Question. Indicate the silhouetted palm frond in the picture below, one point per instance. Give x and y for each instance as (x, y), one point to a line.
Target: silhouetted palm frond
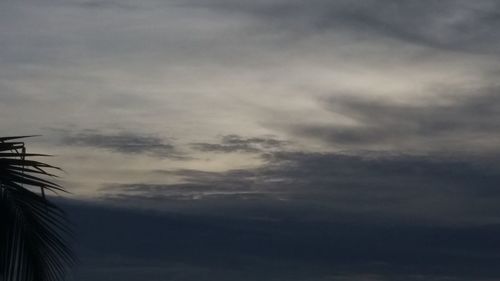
(33, 232)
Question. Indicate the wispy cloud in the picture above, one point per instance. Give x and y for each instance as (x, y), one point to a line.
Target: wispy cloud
(235, 143)
(453, 25)
(453, 122)
(124, 142)
(105, 4)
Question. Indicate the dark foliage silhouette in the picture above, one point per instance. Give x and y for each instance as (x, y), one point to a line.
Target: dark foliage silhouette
(34, 233)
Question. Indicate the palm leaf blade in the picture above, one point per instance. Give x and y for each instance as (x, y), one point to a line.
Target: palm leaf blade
(34, 233)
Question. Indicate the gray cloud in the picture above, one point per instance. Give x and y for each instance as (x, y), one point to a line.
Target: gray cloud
(148, 64)
(458, 122)
(125, 142)
(105, 4)
(235, 143)
(454, 25)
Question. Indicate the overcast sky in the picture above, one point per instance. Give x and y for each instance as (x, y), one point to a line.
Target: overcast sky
(349, 140)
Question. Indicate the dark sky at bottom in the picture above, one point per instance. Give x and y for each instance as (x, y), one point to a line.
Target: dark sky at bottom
(129, 244)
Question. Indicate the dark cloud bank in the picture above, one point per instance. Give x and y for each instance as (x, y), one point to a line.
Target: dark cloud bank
(134, 245)
(303, 216)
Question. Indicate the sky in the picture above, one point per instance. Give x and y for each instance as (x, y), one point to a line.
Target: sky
(265, 140)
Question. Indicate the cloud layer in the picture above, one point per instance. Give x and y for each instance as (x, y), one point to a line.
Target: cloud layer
(401, 187)
(235, 143)
(355, 140)
(127, 143)
(453, 25)
(457, 123)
